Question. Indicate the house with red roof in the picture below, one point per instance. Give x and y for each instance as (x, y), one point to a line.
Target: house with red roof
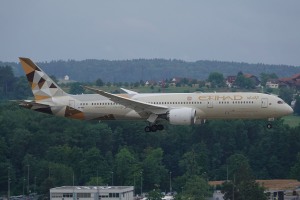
(293, 82)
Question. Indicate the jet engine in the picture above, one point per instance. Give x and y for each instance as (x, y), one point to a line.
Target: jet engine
(182, 116)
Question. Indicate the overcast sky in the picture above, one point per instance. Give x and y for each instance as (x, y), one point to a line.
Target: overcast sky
(254, 31)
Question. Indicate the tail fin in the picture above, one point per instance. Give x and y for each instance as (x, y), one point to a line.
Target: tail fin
(42, 86)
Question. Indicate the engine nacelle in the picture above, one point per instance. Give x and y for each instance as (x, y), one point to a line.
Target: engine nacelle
(182, 116)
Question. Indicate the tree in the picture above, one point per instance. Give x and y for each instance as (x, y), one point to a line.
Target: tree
(196, 188)
(62, 174)
(56, 148)
(22, 89)
(155, 195)
(184, 81)
(194, 180)
(286, 94)
(108, 84)
(295, 170)
(7, 80)
(266, 77)
(153, 169)
(142, 83)
(242, 185)
(239, 168)
(46, 185)
(125, 167)
(245, 190)
(75, 88)
(93, 165)
(297, 105)
(217, 79)
(3, 172)
(118, 84)
(190, 164)
(243, 82)
(95, 181)
(99, 82)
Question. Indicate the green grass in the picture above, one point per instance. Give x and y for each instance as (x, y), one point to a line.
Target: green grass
(292, 120)
(170, 89)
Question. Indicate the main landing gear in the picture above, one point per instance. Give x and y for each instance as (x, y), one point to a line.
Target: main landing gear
(154, 128)
(269, 125)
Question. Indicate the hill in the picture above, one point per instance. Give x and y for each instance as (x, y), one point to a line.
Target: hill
(150, 69)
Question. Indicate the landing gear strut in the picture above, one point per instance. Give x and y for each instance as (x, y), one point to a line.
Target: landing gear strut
(154, 128)
(269, 126)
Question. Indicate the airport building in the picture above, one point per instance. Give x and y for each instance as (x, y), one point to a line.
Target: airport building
(92, 193)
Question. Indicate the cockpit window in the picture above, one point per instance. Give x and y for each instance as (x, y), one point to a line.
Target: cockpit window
(280, 102)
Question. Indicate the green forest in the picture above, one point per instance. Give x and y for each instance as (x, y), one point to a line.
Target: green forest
(39, 151)
(150, 69)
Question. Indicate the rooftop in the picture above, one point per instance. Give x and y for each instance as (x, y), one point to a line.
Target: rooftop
(92, 188)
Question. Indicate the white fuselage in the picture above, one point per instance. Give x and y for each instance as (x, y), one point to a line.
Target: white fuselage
(207, 105)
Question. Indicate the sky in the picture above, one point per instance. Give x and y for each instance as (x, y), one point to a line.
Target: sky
(253, 31)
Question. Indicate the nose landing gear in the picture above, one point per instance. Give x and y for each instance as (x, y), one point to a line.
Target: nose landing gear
(269, 125)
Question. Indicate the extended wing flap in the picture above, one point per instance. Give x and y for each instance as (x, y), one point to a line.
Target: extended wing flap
(138, 106)
(129, 91)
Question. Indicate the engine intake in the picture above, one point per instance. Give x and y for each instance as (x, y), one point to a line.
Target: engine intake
(182, 116)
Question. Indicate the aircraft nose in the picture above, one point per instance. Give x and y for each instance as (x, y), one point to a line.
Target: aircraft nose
(289, 110)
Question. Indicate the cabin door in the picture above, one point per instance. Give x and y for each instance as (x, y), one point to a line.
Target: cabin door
(71, 104)
(210, 104)
(264, 102)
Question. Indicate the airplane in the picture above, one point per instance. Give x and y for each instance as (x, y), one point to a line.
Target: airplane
(176, 108)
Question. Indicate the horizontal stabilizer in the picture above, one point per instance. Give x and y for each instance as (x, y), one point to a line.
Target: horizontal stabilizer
(30, 104)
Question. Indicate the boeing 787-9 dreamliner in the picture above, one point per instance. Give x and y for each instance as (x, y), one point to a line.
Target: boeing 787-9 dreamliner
(176, 108)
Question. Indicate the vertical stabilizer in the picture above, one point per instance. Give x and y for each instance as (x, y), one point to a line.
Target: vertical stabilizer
(42, 86)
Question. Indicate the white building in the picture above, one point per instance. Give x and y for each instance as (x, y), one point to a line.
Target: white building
(272, 84)
(168, 197)
(92, 193)
(67, 78)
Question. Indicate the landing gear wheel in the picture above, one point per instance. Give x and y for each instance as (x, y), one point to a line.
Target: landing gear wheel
(147, 129)
(154, 128)
(160, 127)
(269, 126)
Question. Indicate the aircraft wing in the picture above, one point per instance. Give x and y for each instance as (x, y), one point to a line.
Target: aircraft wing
(139, 106)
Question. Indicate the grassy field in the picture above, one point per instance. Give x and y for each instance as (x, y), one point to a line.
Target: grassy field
(171, 89)
(292, 120)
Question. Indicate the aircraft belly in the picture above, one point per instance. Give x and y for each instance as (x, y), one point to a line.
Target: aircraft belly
(112, 113)
(242, 113)
(232, 113)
